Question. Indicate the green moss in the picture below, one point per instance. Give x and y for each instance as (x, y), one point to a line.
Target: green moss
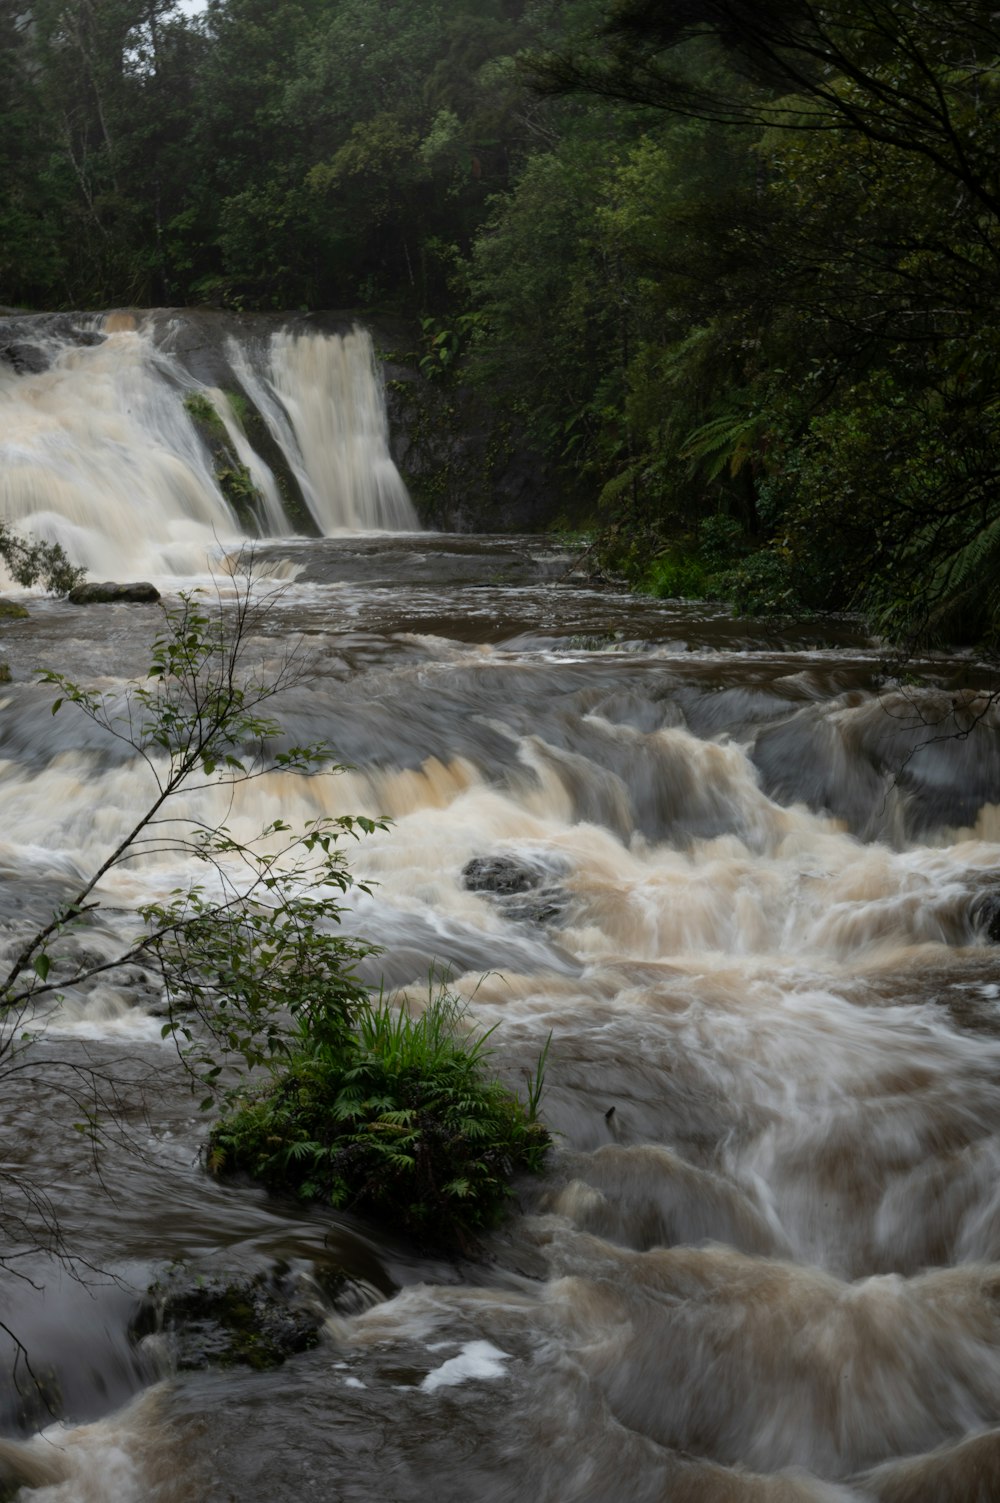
(241, 407)
(202, 409)
(236, 484)
(12, 610)
(241, 1321)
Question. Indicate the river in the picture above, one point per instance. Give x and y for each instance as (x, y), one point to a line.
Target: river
(758, 883)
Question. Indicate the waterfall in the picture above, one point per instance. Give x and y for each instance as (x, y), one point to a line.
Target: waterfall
(98, 453)
(324, 404)
(102, 452)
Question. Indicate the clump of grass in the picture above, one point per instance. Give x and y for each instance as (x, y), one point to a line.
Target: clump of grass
(396, 1116)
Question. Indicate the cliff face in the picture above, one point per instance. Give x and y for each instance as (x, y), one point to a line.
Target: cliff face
(467, 466)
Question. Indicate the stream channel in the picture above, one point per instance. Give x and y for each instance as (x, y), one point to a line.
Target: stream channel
(754, 887)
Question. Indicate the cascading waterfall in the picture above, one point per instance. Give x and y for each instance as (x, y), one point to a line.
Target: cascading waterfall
(324, 405)
(753, 898)
(99, 452)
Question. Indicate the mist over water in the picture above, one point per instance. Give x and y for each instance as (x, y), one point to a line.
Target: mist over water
(759, 884)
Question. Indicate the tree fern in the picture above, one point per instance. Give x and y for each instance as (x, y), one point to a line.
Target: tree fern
(727, 442)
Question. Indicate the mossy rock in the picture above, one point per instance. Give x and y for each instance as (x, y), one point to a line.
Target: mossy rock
(229, 1320)
(12, 610)
(202, 409)
(4, 672)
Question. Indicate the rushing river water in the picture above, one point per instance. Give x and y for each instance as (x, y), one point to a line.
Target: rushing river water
(764, 1263)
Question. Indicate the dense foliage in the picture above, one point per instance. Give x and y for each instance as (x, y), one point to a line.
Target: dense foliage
(394, 1115)
(733, 264)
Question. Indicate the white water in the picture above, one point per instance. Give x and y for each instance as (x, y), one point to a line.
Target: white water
(764, 1265)
(323, 402)
(99, 453)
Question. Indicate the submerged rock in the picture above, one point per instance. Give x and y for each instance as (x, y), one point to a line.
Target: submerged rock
(230, 1319)
(109, 593)
(25, 358)
(523, 890)
(501, 875)
(985, 915)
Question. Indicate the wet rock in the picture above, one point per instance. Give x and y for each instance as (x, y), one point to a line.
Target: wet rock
(228, 1320)
(30, 1399)
(524, 891)
(985, 915)
(26, 359)
(109, 593)
(12, 610)
(501, 875)
(4, 672)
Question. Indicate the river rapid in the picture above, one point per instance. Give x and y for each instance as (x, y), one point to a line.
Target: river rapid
(757, 882)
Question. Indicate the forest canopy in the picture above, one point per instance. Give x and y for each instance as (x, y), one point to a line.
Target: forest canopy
(732, 264)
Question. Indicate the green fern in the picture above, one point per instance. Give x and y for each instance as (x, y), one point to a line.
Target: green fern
(727, 442)
(398, 1116)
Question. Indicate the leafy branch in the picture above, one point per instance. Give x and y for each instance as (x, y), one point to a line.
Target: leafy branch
(265, 914)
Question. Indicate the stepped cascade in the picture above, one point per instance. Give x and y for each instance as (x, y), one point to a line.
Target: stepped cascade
(748, 885)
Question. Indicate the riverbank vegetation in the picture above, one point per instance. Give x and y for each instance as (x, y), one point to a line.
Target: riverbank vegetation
(732, 267)
(32, 561)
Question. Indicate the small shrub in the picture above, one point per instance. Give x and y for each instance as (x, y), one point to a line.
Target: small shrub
(397, 1117)
(675, 575)
(762, 585)
(721, 542)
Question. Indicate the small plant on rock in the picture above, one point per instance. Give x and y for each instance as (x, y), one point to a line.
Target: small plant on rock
(365, 1105)
(393, 1115)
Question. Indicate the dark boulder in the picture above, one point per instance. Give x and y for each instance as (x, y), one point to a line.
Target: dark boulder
(24, 358)
(501, 875)
(523, 890)
(230, 1319)
(109, 593)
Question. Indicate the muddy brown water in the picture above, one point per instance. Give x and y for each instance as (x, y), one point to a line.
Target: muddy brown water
(764, 1263)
